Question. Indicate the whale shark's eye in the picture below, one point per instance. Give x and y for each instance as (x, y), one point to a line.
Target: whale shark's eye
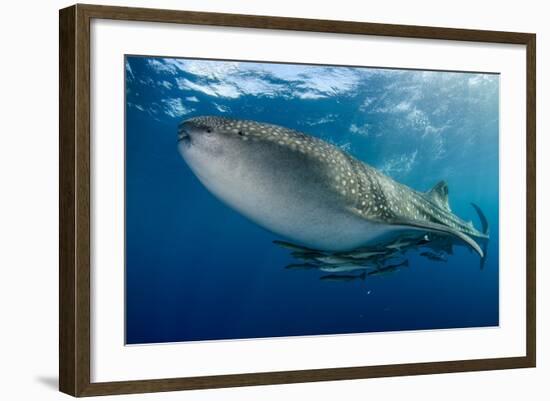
(209, 130)
(240, 133)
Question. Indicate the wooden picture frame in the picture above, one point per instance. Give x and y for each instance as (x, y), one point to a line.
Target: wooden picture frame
(74, 199)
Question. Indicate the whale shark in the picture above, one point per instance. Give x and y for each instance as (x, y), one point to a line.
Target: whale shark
(314, 193)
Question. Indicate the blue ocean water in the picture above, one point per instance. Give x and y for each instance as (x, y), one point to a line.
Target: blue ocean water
(198, 270)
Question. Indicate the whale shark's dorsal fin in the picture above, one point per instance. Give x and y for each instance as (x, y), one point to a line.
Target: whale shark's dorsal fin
(439, 195)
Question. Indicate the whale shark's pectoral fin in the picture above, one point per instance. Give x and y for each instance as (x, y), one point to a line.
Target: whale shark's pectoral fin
(439, 228)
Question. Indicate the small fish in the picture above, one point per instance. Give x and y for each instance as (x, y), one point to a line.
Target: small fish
(389, 269)
(434, 256)
(399, 245)
(440, 244)
(343, 277)
(306, 255)
(343, 268)
(424, 240)
(334, 260)
(363, 254)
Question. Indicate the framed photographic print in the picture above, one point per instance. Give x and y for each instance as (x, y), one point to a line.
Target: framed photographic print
(251, 200)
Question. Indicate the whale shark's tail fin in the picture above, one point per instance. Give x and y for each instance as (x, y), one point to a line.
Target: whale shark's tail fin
(485, 230)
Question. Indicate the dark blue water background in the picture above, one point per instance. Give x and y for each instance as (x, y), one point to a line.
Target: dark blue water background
(197, 270)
